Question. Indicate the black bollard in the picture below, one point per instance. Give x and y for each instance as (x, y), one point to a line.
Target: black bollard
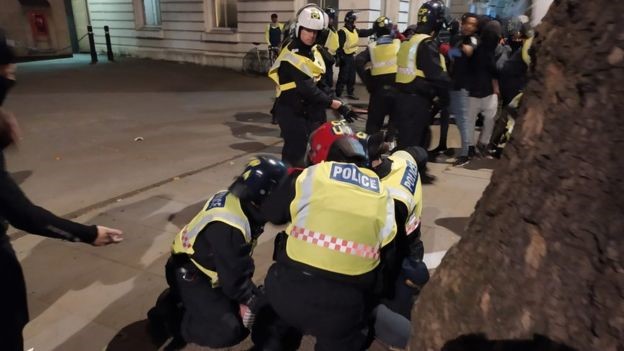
(109, 49)
(94, 58)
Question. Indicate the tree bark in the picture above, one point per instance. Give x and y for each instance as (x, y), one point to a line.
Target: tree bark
(543, 251)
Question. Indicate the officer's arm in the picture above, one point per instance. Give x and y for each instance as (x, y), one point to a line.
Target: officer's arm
(276, 208)
(231, 258)
(430, 60)
(305, 86)
(342, 38)
(365, 33)
(17, 209)
(266, 34)
(361, 61)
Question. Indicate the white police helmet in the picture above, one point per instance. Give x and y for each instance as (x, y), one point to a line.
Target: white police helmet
(311, 17)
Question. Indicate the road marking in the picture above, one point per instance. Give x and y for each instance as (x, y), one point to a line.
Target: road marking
(433, 259)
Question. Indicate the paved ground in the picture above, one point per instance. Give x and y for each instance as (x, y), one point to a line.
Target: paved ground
(79, 157)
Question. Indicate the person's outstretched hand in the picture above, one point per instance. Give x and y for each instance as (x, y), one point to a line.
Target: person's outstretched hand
(106, 236)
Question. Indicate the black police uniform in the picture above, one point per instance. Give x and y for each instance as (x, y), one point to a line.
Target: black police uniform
(382, 91)
(301, 110)
(415, 98)
(352, 297)
(210, 314)
(346, 75)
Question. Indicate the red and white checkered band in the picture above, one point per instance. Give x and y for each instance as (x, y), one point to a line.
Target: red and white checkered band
(186, 241)
(412, 225)
(336, 244)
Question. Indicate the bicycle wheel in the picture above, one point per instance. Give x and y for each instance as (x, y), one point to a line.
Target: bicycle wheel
(249, 62)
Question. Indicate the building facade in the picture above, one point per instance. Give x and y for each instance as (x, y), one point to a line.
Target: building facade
(210, 32)
(36, 28)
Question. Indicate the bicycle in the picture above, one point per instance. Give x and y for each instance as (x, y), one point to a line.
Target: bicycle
(257, 61)
(273, 53)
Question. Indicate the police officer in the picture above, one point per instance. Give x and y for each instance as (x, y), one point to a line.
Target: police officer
(328, 39)
(210, 268)
(348, 39)
(301, 98)
(377, 67)
(421, 76)
(399, 172)
(273, 32)
(326, 275)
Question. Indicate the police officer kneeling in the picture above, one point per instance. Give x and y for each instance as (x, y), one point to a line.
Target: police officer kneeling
(326, 274)
(210, 268)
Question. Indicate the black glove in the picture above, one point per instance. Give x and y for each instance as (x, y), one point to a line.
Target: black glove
(347, 113)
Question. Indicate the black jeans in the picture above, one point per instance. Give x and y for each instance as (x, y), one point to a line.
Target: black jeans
(382, 103)
(295, 130)
(13, 306)
(210, 318)
(333, 312)
(413, 119)
(346, 75)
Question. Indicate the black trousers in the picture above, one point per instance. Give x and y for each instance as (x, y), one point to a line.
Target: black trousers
(382, 103)
(333, 312)
(346, 75)
(13, 305)
(296, 130)
(210, 318)
(413, 119)
(329, 74)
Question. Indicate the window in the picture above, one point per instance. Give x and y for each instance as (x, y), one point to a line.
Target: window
(225, 12)
(499, 8)
(326, 3)
(151, 13)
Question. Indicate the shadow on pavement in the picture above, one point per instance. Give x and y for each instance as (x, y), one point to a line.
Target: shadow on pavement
(181, 218)
(455, 224)
(255, 117)
(256, 146)
(248, 131)
(20, 176)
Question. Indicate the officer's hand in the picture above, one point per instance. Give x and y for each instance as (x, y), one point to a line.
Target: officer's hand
(347, 113)
(106, 236)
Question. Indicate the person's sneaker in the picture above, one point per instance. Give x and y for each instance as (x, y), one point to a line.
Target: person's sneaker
(352, 97)
(472, 151)
(439, 150)
(461, 161)
(483, 151)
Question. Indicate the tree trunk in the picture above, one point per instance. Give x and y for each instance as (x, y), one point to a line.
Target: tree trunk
(543, 251)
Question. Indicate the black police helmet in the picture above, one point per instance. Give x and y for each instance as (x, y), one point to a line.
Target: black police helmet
(262, 173)
(382, 26)
(331, 12)
(431, 17)
(348, 149)
(350, 17)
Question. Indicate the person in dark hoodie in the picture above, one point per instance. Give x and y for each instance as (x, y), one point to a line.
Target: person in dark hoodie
(302, 97)
(17, 210)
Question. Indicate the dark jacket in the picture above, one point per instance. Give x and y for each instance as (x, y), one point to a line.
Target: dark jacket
(222, 248)
(436, 81)
(309, 99)
(18, 211)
